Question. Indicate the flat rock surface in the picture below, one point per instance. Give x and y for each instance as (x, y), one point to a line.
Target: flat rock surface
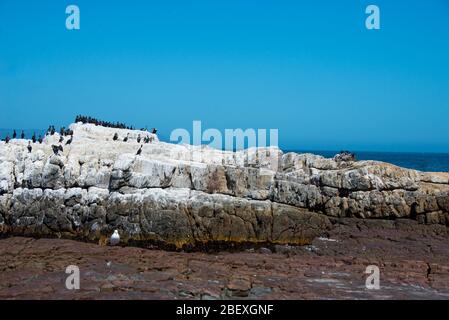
(413, 261)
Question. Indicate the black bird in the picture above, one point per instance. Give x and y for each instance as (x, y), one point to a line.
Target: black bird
(61, 139)
(22, 135)
(138, 138)
(7, 139)
(69, 141)
(146, 139)
(40, 139)
(52, 131)
(126, 138)
(139, 151)
(14, 134)
(154, 131)
(61, 148)
(30, 148)
(115, 137)
(55, 149)
(33, 138)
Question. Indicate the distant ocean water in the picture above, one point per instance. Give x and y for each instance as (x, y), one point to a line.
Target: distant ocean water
(438, 162)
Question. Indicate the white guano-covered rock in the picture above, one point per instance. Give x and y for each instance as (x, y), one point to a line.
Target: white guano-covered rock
(185, 195)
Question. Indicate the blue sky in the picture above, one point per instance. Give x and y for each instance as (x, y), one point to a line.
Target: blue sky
(310, 69)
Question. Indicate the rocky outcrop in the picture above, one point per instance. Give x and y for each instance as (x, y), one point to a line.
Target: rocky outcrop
(190, 196)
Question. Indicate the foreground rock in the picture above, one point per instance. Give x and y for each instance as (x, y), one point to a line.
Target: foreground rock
(181, 196)
(413, 261)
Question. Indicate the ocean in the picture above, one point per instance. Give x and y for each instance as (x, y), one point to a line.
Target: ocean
(438, 162)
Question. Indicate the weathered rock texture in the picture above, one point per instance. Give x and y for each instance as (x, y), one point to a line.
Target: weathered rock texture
(413, 261)
(189, 196)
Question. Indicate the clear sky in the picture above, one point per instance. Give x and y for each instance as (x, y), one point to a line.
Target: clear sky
(308, 68)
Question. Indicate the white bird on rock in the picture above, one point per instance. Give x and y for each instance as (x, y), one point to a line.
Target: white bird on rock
(115, 238)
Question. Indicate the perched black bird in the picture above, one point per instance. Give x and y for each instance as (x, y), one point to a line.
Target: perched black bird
(139, 151)
(115, 137)
(52, 131)
(69, 141)
(55, 149)
(33, 138)
(30, 148)
(138, 138)
(14, 134)
(126, 138)
(40, 139)
(154, 131)
(22, 135)
(146, 139)
(61, 139)
(7, 139)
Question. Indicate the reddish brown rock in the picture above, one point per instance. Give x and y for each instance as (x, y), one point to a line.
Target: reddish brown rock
(413, 260)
